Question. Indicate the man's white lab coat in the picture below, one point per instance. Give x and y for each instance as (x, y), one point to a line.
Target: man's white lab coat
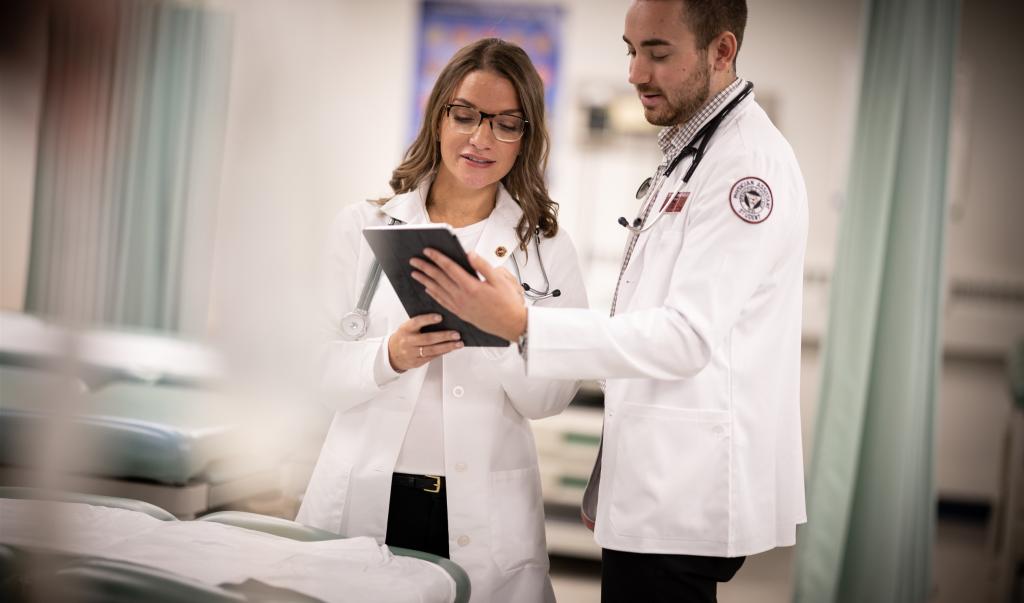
(702, 451)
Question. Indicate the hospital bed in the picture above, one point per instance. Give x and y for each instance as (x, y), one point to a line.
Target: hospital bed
(181, 448)
(114, 549)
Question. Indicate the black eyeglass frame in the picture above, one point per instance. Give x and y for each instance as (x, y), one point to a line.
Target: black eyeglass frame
(490, 118)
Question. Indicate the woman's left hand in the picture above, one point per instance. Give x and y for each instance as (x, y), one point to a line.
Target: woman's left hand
(408, 348)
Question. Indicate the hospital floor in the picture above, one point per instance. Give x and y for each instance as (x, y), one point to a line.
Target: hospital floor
(960, 571)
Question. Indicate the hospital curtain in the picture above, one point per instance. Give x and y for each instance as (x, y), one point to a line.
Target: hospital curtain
(128, 155)
(870, 490)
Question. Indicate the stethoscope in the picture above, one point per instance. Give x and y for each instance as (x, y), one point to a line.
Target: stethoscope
(354, 324)
(530, 292)
(698, 144)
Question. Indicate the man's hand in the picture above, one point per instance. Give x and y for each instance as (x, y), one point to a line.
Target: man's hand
(494, 305)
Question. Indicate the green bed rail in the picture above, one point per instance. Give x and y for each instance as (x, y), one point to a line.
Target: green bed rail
(128, 504)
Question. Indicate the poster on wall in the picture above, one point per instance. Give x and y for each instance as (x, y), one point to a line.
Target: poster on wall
(447, 26)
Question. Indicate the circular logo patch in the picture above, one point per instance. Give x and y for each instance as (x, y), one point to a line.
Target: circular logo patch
(751, 199)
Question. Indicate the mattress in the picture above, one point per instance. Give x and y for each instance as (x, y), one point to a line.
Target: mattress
(106, 547)
(161, 433)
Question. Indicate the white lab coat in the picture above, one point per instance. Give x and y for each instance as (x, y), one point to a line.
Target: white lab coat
(495, 512)
(702, 451)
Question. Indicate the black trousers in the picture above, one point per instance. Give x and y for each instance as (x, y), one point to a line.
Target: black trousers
(418, 518)
(652, 578)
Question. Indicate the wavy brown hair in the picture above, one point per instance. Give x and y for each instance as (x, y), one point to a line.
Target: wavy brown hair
(525, 181)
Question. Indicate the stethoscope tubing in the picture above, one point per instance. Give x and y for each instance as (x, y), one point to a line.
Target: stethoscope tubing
(652, 197)
(702, 138)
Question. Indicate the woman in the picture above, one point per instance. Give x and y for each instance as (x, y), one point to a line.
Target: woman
(430, 447)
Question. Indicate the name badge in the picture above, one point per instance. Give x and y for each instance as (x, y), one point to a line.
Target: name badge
(673, 204)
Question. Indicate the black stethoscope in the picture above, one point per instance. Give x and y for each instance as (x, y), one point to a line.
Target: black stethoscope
(698, 144)
(354, 324)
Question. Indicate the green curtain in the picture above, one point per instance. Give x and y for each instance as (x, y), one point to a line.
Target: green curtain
(871, 496)
(130, 140)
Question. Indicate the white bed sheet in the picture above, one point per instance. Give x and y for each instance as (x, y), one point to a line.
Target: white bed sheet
(348, 570)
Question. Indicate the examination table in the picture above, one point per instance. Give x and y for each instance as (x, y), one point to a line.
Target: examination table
(58, 545)
(181, 448)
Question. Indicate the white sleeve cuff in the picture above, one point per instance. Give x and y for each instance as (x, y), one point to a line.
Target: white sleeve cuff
(383, 373)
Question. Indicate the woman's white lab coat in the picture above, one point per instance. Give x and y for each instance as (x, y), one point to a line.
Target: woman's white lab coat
(495, 512)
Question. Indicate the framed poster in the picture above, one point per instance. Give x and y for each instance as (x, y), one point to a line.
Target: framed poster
(446, 26)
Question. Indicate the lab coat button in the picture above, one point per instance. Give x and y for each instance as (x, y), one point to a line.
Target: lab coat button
(717, 430)
(457, 391)
(463, 540)
(460, 467)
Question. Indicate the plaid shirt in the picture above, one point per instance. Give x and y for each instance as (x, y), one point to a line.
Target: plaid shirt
(672, 141)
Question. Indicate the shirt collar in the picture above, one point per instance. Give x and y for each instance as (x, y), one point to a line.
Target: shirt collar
(674, 139)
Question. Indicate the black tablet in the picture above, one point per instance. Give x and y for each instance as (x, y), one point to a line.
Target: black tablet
(395, 245)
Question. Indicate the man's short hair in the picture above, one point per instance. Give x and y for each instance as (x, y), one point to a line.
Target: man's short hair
(708, 18)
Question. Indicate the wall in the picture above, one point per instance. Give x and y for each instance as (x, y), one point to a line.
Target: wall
(316, 119)
(985, 263)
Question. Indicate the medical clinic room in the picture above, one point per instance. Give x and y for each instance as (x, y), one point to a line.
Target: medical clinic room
(516, 301)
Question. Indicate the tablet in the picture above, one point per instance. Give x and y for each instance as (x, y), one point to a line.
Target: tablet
(395, 245)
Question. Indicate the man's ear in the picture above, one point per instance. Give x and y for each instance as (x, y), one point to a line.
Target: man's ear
(723, 51)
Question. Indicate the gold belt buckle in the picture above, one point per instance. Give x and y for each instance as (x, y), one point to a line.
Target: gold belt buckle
(437, 484)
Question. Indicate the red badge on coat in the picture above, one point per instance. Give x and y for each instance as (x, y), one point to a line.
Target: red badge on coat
(673, 204)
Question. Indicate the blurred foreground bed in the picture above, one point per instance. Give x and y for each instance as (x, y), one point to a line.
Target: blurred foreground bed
(68, 546)
(134, 415)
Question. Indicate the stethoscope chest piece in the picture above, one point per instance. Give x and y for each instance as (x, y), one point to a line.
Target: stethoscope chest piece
(645, 186)
(354, 324)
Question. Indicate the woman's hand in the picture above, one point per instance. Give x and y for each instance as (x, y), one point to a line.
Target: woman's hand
(408, 348)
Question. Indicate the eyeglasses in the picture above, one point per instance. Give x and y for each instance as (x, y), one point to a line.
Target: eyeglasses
(506, 128)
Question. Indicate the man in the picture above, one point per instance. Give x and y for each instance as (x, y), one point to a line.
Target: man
(701, 460)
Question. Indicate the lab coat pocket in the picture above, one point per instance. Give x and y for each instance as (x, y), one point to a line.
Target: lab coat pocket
(663, 248)
(517, 519)
(323, 505)
(667, 238)
(671, 474)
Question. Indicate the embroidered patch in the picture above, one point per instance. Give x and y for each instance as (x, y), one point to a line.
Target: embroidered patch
(673, 204)
(751, 200)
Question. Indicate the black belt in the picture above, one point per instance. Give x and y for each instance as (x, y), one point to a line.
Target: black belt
(428, 483)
